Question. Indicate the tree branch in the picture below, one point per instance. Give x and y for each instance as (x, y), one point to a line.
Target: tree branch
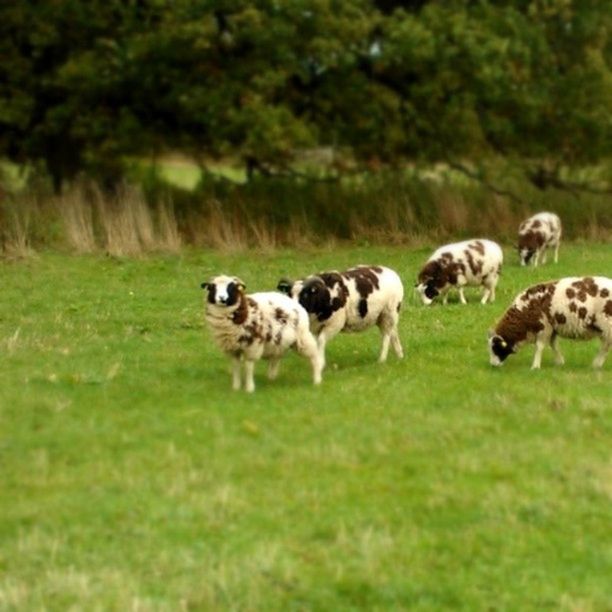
(543, 179)
(476, 176)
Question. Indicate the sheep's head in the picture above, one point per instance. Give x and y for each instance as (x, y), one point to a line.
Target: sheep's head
(428, 282)
(527, 247)
(224, 290)
(314, 296)
(427, 291)
(499, 349)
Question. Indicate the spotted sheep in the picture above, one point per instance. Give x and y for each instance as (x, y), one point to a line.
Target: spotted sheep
(351, 301)
(260, 325)
(536, 235)
(472, 262)
(578, 308)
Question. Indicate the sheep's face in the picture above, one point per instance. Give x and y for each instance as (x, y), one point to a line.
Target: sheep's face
(224, 290)
(427, 290)
(314, 296)
(525, 255)
(429, 281)
(527, 246)
(499, 349)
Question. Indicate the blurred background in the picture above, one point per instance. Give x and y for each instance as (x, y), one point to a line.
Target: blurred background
(147, 125)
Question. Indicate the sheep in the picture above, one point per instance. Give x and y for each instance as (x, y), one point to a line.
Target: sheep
(472, 262)
(351, 301)
(579, 308)
(260, 325)
(537, 234)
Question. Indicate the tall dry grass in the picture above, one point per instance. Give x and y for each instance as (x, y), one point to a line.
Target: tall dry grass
(121, 224)
(78, 219)
(125, 220)
(168, 234)
(270, 214)
(16, 219)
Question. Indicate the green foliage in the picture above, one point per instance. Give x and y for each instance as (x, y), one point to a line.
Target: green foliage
(133, 477)
(88, 83)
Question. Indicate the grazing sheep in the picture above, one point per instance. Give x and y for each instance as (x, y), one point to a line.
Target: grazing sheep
(350, 301)
(261, 325)
(537, 234)
(472, 262)
(579, 308)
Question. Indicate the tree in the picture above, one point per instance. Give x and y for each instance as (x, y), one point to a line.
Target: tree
(87, 84)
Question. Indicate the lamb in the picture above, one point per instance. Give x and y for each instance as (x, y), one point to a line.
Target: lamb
(260, 325)
(536, 234)
(579, 308)
(472, 262)
(351, 301)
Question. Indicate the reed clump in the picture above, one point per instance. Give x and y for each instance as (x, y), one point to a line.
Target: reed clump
(271, 213)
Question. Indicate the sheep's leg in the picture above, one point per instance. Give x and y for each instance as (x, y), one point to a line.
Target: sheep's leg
(486, 295)
(492, 287)
(544, 253)
(600, 358)
(387, 324)
(461, 296)
(537, 358)
(321, 342)
(384, 349)
(307, 346)
(536, 257)
(445, 293)
(273, 366)
(249, 382)
(395, 342)
(236, 383)
(559, 360)
(332, 327)
(557, 252)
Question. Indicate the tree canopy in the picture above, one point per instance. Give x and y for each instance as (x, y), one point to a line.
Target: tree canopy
(85, 84)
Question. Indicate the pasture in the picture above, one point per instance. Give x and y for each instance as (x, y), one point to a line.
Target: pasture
(133, 478)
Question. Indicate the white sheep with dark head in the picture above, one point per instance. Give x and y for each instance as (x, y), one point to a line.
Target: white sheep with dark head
(577, 308)
(257, 326)
(349, 301)
(536, 234)
(475, 262)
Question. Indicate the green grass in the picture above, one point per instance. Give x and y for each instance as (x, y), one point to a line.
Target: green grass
(134, 478)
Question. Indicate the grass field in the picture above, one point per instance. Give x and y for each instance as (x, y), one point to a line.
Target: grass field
(133, 478)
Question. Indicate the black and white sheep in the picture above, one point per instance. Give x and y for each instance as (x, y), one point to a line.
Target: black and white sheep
(472, 262)
(260, 325)
(579, 308)
(536, 234)
(351, 301)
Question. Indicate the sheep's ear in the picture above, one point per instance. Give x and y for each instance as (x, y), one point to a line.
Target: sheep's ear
(205, 285)
(239, 283)
(284, 286)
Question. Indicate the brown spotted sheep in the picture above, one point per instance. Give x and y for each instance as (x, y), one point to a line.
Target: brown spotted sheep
(351, 301)
(578, 308)
(472, 262)
(260, 325)
(536, 235)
